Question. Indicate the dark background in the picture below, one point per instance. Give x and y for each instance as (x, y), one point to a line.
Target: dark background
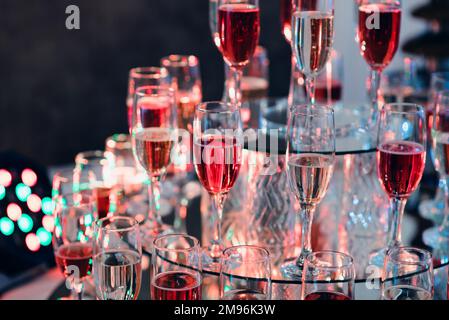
(64, 91)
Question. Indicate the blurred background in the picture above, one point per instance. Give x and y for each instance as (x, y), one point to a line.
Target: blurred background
(64, 91)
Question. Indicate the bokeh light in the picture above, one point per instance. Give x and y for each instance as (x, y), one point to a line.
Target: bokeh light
(44, 237)
(34, 203)
(5, 178)
(47, 206)
(25, 223)
(2, 192)
(32, 242)
(29, 177)
(13, 211)
(49, 223)
(6, 226)
(23, 192)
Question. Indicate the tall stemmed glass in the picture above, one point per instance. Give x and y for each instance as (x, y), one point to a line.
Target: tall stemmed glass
(239, 30)
(310, 157)
(217, 151)
(378, 35)
(312, 38)
(154, 138)
(401, 157)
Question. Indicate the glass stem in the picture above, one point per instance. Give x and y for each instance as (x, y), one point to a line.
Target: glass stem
(236, 96)
(397, 213)
(77, 286)
(296, 94)
(306, 234)
(216, 246)
(310, 83)
(374, 94)
(227, 85)
(154, 196)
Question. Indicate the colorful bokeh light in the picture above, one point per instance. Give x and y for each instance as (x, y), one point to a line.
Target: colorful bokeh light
(32, 242)
(47, 206)
(13, 211)
(25, 223)
(34, 203)
(29, 177)
(49, 223)
(23, 192)
(44, 237)
(5, 178)
(2, 192)
(6, 226)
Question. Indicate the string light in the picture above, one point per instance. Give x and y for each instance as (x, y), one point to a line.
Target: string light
(49, 223)
(6, 226)
(13, 211)
(2, 192)
(34, 203)
(5, 178)
(23, 192)
(47, 206)
(44, 237)
(32, 242)
(25, 223)
(29, 177)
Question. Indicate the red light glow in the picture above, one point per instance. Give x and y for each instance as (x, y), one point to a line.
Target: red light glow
(14, 212)
(48, 223)
(34, 203)
(5, 178)
(29, 177)
(32, 242)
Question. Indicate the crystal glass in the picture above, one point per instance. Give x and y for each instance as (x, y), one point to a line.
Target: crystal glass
(117, 258)
(328, 275)
(238, 30)
(176, 268)
(245, 274)
(312, 39)
(329, 84)
(140, 77)
(310, 157)
(75, 215)
(218, 144)
(407, 275)
(154, 137)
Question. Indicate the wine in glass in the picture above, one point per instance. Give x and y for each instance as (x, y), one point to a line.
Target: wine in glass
(310, 158)
(378, 35)
(313, 38)
(217, 151)
(176, 263)
(401, 157)
(239, 30)
(117, 258)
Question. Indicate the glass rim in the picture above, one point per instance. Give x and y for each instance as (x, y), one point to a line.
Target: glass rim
(426, 255)
(266, 257)
(388, 108)
(141, 92)
(347, 262)
(202, 108)
(148, 73)
(132, 223)
(179, 60)
(310, 110)
(195, 242)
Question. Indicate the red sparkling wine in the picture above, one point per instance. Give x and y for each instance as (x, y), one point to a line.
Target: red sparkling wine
(78, 255)
(327, 296)
(176, 286)
(324, 93)
(154, 112)
(217, 162)
(379, 43)
(400, 167)
(102, 195)
(239, 29)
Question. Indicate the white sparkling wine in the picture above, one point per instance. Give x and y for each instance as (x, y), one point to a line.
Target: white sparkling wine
(118, 275)
(406, 293)
(310, 175)
(314, 34)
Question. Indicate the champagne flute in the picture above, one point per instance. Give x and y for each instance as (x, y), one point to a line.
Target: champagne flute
(401, 157)
(154, 137)
(245, 274)
(117, 258)
(313, 38)
(310, 158)
(75, 215)
(176, 266)
(140, 77)
(407, 275)
(239, 30)
(378, 34)
(217, 151)
(328, 275)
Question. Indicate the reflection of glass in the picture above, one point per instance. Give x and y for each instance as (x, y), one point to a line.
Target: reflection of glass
(245, 274)
(328, 275)
(75, 215)
(329, 84)
(408, 275)
(117, 259)
(176, 263)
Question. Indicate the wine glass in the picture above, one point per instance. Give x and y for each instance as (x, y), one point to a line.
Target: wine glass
(239, 30)
(407, 274)
(245, 274)
(75, 215)
(140, 77)
(313, 38)
(117, 258)
(176, 268)
(98, 168)
(328, 275)
(154, 137)
(310, 158)
(401, 157)
(378, 34)
(217, 151)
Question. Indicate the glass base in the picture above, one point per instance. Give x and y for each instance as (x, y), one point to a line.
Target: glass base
(291, 271)
(209, 262)
(149, 231)
(432, 210)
